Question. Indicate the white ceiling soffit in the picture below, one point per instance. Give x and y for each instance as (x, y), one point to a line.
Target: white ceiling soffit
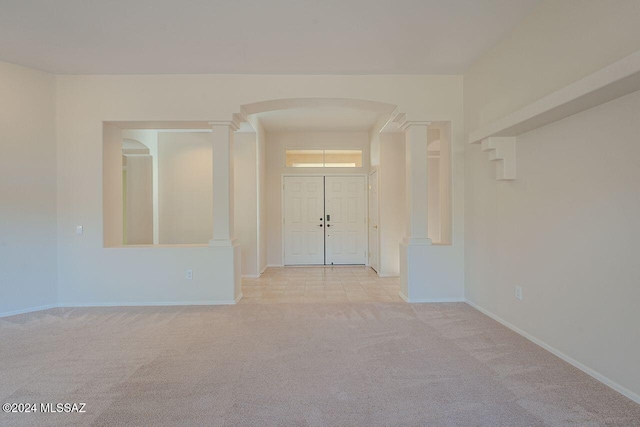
(254, 36)
(318, 119)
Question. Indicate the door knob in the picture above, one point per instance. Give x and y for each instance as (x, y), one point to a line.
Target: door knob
(328, 225)
(319, 225)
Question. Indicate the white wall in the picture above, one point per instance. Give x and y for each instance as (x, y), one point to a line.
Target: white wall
(27, 189)
(246, 200)
(112, 200)
(90, 274)
(149, 138)
(277, 142)
(139, 200)
(185, 184)
(566, 229)
(391, 199)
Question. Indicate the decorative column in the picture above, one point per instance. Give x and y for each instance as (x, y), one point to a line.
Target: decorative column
(414, 249)
(223, 238)
(222, 140)
(416, 178)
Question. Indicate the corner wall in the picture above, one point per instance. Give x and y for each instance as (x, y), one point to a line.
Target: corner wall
(566, 229)
(392, 204)
(28, 236)
(246, 199)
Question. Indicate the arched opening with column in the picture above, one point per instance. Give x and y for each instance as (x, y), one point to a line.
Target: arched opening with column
(393, 145)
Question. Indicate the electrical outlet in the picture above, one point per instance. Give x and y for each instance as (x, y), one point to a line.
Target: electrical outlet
(519, 293)
(189, 274)
(79, 230)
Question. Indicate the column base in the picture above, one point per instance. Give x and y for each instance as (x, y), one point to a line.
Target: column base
(224, 242)
(228, 261)
(427, 273)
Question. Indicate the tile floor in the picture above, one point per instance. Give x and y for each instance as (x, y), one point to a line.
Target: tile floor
(319, 284)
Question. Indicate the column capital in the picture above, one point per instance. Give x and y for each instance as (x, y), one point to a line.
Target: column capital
(233, 124)
(407, 124)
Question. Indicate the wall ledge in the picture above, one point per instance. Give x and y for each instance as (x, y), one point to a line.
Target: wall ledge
(613, 81)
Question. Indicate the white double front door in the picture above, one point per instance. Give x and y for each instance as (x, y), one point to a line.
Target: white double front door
(325, 220)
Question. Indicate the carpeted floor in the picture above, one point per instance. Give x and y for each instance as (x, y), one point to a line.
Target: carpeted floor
(345, 364)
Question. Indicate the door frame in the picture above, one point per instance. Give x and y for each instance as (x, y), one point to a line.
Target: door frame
(372, 170)
(282, 204)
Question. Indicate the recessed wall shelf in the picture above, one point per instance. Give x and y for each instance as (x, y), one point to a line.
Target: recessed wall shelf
(613, 81)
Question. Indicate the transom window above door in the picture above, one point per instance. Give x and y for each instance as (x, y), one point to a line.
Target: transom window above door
(323, 158)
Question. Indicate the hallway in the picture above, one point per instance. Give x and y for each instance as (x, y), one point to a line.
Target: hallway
(319, 284)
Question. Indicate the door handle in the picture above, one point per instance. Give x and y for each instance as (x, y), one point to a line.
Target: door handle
(375, 227)
(320, 225)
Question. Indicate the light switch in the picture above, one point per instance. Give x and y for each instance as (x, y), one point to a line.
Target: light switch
(79, 230)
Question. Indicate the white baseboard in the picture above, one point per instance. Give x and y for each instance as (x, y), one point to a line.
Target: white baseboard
(264, 269)
(598, 376)
(147, 304)
(121, 304)
(274, 266)
(28, 310)
(250, 276)
(388, 276)
(429, 300)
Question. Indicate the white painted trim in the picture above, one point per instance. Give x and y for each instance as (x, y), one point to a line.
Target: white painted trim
(28, 310)
(374, 169)
(387, 276)
(250, 276)
(263, 270)
(121, 304)
(502, 151)
(274, 266)
(429, 300)
(598, 376)
(147, 304)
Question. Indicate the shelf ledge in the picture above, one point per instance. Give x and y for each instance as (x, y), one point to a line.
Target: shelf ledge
(613, 81)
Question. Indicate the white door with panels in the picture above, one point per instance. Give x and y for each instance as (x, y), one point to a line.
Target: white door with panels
(346, 220)
(325, 220)
(303, 220)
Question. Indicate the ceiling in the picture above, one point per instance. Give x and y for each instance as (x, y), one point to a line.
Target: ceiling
(254, 36)
(317, 119)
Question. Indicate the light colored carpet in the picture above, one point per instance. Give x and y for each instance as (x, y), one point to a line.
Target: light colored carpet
(347, 364)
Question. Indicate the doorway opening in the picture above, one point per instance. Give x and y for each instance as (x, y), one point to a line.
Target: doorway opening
(324, 220)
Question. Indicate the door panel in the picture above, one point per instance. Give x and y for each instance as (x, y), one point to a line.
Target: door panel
(303, 217)
(345, 209)
(373, 220)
